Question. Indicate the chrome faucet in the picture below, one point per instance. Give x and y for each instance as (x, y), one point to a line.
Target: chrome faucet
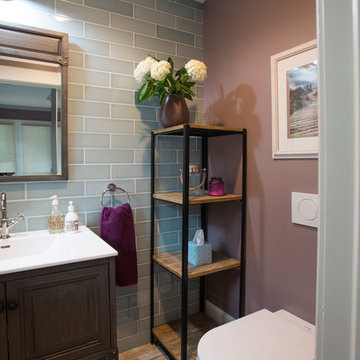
(6, 223)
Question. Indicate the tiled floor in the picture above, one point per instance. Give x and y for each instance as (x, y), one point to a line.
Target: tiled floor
(145, 352)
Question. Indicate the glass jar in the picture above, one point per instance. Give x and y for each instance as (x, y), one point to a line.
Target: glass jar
(197, 177)
(216, 186)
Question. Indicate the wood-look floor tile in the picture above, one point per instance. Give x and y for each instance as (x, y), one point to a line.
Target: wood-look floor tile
(145, 352)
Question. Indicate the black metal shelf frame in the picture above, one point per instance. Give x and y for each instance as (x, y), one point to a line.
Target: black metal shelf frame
(186, 131)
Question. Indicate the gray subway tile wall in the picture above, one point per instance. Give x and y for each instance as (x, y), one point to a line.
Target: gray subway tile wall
(189, 51)
(175, 35)
(75, 91)
(76, 59)
(138, 112)
(109, 135)
(138, 26)
(76, 156)
(108, 64)
(123, 81)
(199, 41)
(151, 43)
(82, 12)
(147, 3)
(84, 140)
(88, 108)
(109, 125)
(88, 46)
(75, 123)
(174, 8)
(97, 156)
(129, 53)
(116, 6)
(108, 34)
(154, 16)
(189, 26)
(199, 16)
(108, 95)
(87, 77)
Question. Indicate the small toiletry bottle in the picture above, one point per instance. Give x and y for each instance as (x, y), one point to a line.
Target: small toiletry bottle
(56, 218)
(71, 219)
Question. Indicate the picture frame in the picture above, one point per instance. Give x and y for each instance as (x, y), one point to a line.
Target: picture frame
(295, 103)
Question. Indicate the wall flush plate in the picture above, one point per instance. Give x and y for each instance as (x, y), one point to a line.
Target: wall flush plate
(305, 209)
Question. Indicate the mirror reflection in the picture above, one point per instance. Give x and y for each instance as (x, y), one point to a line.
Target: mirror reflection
(30, 117)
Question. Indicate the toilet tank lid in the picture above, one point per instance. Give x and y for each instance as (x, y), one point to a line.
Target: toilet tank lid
(302, 324)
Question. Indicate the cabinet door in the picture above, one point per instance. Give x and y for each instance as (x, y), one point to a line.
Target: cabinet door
(3, 335)
(63, 315)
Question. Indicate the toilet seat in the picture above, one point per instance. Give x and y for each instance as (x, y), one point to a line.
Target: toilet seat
(260, 336)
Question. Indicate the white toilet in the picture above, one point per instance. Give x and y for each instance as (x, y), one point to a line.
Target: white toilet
(262, 335)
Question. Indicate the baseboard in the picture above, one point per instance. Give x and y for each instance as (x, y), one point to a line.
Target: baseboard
(215, 313)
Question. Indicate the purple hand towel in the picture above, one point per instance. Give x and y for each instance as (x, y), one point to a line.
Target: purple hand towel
(117, 229)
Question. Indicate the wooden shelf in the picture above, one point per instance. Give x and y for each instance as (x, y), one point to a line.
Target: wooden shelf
(176, 198)
(199, 130)
(169, 335)
(172, 262)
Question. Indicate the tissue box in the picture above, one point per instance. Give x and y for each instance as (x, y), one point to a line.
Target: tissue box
(199, 254)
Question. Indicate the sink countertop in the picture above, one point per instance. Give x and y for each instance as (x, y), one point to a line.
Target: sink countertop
(39, 249)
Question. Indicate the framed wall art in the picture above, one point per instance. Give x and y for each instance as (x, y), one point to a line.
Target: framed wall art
(295, 102)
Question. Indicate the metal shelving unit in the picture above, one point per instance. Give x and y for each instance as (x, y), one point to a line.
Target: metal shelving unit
(173, 337)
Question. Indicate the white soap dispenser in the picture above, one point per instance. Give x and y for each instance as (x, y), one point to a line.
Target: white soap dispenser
(71, 219)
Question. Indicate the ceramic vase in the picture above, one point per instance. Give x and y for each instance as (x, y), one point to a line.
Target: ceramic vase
(174, 111)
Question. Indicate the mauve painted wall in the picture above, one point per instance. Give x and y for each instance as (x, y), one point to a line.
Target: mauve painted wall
(239, 38)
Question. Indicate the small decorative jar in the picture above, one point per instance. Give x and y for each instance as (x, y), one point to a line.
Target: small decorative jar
(216, 186)
(197, 177)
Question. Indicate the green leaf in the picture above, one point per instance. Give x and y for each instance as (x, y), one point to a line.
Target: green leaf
(162, 95)
(180, 71)
(184, 76)
(188, 96)
(150, 90)
(162, 92)
(141, 92)
(188, 90)
(171, 62)
(145, 91)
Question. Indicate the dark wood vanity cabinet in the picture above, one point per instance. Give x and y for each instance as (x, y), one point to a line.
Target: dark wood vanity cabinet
(67, 313)
(3, 334)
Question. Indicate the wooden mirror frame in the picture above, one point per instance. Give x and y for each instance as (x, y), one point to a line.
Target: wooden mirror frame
(41, 45)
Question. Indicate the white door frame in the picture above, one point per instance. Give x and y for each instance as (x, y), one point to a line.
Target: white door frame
(338, 297)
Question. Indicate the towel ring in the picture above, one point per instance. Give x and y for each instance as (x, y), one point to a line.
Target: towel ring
(112, 187)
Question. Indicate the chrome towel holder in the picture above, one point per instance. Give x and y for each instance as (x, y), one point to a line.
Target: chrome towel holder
(112, 188)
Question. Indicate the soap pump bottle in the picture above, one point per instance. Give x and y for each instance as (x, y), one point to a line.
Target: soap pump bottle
(71, 219)
(56, 218)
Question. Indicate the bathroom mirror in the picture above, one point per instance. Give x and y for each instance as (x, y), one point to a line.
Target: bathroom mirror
(33, 104)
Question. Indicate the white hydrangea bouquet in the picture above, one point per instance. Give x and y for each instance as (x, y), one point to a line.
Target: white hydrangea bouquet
(157, 77)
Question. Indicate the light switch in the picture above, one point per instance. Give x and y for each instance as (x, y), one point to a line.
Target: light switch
(305, 209)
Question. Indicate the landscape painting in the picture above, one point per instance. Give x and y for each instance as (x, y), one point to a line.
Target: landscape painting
(294, 97)
(302, 92)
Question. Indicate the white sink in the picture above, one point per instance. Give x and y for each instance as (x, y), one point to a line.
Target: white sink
(38, 249)
(24, 244)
